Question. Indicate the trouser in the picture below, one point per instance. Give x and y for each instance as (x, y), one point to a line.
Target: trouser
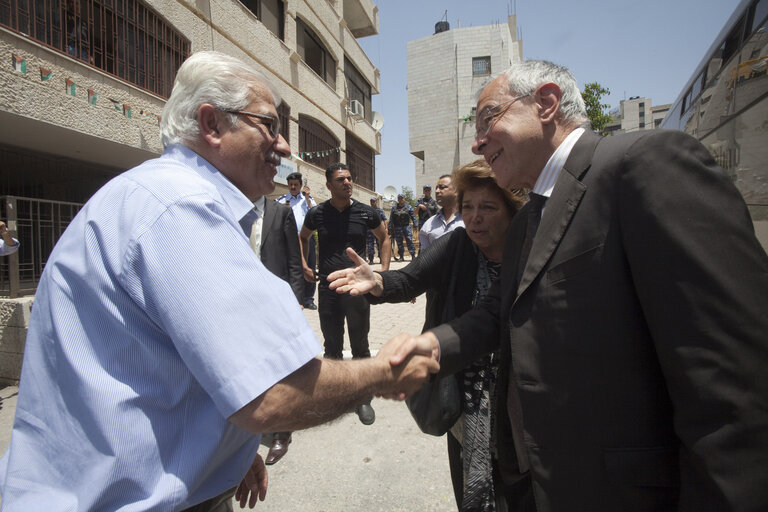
(404, 232)
(309, 288)
(220, 503)
(333, 309)
(371, 243)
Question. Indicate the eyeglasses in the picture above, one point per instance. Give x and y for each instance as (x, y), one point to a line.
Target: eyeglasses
(485, 119)
(272, 123)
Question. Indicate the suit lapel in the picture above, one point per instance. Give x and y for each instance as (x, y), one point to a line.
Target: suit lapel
(270, 211)
(559, 208)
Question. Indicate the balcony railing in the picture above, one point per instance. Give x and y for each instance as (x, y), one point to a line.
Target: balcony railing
(37, 224)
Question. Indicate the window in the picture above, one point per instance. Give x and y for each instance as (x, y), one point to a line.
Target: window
(314, 53)
(270, 13)
(284, 113)
(318, 145)
(123, 37)
(360, 160)
(481, 66)
(357, 88)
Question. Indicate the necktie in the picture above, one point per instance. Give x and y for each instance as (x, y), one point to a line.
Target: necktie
(251, 224)
(255, 238)
(534, 217)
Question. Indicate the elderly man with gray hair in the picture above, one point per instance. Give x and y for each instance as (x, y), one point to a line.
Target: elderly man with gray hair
(629, 314)
(159, 345)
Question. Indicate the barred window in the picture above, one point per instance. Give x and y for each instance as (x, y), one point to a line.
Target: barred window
(123, 37)
(481, 66)
(361, 163)
(318, 145)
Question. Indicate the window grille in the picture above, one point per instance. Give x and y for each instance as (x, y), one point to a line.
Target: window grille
(125, 38)
(361, 163)
(318, 144)
(481, 66)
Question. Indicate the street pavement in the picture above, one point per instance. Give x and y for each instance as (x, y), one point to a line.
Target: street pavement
(389, 466)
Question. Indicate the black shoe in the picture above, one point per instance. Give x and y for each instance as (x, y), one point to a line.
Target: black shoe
(366, 414)
(279, 447)
(310, 305)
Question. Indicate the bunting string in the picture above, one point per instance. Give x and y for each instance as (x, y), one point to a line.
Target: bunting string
(309, 155)
(19, 65)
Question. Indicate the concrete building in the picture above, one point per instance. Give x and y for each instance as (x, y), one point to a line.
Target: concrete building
(83, 84)
(446, 71)
(637, 113)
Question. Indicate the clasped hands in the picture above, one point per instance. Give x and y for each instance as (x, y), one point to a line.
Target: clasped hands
(411, 360)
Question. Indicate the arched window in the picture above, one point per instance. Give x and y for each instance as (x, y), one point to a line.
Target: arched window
(123, 37)
(317, 145)
(314, 53)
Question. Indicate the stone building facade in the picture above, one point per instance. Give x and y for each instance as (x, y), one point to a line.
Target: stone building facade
(637, 113)
(446, 72)
(83, 84)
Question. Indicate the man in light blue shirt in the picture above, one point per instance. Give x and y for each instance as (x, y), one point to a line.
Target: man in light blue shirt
(159, 345)
(445, 220)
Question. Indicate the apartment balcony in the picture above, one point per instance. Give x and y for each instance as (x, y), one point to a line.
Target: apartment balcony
(362, 17)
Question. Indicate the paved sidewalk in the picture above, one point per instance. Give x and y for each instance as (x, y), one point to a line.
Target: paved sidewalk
(345, 465)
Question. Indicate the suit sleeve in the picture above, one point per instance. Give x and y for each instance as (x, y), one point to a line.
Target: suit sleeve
(295, 273)
(472, 335)
(702, 281)
(419, 275)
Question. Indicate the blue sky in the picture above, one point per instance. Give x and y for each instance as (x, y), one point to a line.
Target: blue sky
(633, 48)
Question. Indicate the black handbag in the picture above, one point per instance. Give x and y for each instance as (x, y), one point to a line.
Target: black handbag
(436, 406)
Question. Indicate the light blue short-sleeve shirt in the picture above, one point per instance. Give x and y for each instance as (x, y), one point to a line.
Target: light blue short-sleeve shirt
(153, 322)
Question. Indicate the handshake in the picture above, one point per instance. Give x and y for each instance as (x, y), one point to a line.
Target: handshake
(408, 361)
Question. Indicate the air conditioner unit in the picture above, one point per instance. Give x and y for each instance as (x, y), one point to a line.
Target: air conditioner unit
(356, 108)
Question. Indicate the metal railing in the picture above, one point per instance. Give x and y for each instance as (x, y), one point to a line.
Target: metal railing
(37, 224)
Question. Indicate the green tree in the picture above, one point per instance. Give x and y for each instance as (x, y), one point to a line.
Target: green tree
(596, 111)
(408, 193)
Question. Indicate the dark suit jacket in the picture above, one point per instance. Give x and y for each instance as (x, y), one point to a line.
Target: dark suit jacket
(280, 246)
(448, 271)
(637, 338)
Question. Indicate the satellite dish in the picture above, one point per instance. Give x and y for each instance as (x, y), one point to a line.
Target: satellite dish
(377, 122)
(389, 193)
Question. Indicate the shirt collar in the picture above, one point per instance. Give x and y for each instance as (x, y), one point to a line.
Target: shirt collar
(548, 177)
(260, 204)
(230, 194)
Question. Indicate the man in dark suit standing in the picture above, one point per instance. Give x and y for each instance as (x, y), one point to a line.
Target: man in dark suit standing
(279, 251)
(634, 336)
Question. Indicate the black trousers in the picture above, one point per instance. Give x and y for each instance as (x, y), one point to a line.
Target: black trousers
(309, 288)
(333, 309)
(220, 503)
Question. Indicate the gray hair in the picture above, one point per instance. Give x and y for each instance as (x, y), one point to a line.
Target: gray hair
(524, 77)
(215, 78)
